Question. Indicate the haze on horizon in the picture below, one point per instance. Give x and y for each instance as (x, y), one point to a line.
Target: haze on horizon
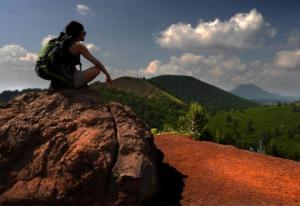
(224, 43)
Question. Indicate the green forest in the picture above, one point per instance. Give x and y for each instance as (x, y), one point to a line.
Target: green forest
(272, 129)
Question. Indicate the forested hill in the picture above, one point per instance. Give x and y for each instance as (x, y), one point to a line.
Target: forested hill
(157, 107)
(191, 89)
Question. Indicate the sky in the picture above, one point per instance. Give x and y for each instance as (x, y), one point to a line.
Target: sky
(222, 42)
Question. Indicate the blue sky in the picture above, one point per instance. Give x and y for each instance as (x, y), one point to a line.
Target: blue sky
(251, 42)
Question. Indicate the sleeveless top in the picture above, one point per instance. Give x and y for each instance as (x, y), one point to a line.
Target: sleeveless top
(71, 61)
(67, 72)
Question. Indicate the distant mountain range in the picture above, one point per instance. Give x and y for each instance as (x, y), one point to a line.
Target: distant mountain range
(256, 94)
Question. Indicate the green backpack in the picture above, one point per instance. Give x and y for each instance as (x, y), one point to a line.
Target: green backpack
(52, 62)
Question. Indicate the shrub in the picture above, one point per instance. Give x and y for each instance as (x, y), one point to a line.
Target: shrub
(168, 127)
(250, 128)
(196, 119)
(154, 131)
(218, 137)
(206, 135)
(228, 118)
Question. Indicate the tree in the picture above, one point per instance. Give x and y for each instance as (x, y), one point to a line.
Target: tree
(196, 119)
(218, 136)
(213, 112)
(295, 107)
(206, 134)
(276, 132)
(265, 138)
(228, 118)
(297, 129)
(250, 127)
(291, 133)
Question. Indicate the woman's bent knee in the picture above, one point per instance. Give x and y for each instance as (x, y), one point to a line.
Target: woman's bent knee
(79, 79)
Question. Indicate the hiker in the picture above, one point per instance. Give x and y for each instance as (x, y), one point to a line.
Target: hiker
(59, 57)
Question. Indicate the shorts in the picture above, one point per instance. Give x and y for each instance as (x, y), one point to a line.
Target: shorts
(79, 80)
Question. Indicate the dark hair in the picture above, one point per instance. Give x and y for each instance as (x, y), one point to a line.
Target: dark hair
(74, 28)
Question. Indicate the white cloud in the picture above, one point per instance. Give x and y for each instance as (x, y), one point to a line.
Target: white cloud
(213, 68)
(83, 9)
(293, 39)
(29, 57)
(288, 59)
(92, 46)
(152, 68)
(47, 38)
(107, 54)
(17, 68)
(15, 54)
(241, 31)
(223, 71)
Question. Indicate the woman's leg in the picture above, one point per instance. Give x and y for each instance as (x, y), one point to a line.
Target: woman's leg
(90, 74)
(83, 77)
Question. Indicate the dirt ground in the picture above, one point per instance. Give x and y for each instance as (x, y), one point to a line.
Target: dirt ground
(215, 174)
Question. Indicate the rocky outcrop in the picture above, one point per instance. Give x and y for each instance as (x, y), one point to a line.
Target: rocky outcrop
(69, 148)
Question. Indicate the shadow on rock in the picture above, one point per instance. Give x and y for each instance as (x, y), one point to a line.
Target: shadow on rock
(171, 187)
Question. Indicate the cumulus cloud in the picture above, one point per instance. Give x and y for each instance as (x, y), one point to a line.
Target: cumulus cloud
(17, 68)
(288, 59)
(293, 39)
(15, 54)
(47, 38)
(223, 71)
(92, 46)
(29, 57)
(152, 68)
(83, 9)
(213, 68)
(239, 32)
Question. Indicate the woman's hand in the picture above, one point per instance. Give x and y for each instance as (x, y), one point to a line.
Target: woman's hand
(108, 79)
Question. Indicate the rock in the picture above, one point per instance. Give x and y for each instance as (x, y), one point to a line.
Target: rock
(69, 148)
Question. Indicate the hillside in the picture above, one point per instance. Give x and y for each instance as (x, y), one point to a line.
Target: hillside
(206, 173)
(191, 89)
(254, 93)
(158, 108)
(273, 129)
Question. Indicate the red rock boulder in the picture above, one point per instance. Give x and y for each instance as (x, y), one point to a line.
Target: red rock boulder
(69, 148)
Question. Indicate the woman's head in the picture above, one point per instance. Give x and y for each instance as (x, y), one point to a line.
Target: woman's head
(76, 30)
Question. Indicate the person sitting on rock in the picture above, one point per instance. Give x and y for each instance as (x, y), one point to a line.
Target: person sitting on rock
(64, 53)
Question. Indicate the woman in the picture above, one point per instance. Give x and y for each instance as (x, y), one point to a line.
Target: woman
(75, 49)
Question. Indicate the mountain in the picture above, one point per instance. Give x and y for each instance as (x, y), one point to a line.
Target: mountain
(142, 87)
(254, 93)
(190, 89)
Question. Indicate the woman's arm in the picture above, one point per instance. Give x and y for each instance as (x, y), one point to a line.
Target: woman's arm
(81, 49)
(86, 53)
